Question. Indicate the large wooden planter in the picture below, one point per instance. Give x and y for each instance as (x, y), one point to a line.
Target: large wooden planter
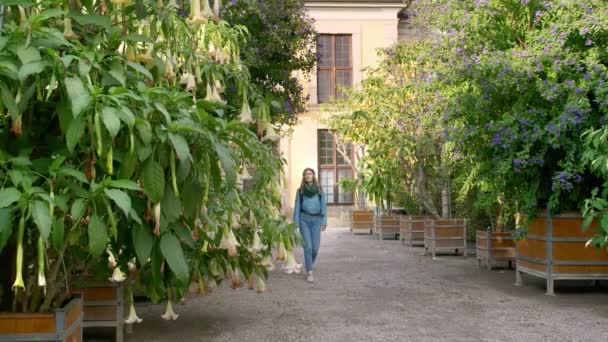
(103, 306)
(65, 325)
(412, 230)
(445, 236)
(494, 247)
(387, 225)
(362, 221)
(554, 249)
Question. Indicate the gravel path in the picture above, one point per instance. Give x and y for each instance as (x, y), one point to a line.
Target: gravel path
(369, 290)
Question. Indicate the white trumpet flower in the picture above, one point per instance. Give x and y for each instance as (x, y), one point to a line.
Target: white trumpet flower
(246, 115)
(291, 266)
(188, 79)
(282, 252)
(206, 10)
(261, 285)
(229, 242)
(236, 278)
(212, 94)
(169, 315)
(267, 262)
(133, 316)
(111, 259)
(257, 242)
(41, 279)
(211, 284)
(271, 134)
(117, 276)
(132, 265)
(157, 219)
(218, 85)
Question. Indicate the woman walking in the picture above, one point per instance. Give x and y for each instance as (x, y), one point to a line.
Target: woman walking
(310, 215)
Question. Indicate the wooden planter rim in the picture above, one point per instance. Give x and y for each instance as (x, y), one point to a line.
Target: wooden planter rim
(60, 315)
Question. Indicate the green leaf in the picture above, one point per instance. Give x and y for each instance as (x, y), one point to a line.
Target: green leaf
(67, 171)
(153, 177)
(126, 115)
(9, 196)
(77, 210)
(174, 255)
(8, 100)
(145, 131)
(163, 111)
(75, 132)
(119, 76)
(228, 163)
(6, 226)
(143, 242)
(98, 236)
(180, 145)
(109, 116)
(141, 69)
(78, 94)
(30, 69)
(122, 200)
(124, 184)
(28, 54)
(184, 234)
(58, 236)
(92, 19)
(84, 68)
(42, 218)
(127, 166)
(171, 205)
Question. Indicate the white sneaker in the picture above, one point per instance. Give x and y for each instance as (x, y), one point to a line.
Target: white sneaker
(310, 278)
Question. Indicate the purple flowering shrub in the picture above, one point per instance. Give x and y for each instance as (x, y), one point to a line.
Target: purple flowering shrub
(524, 79)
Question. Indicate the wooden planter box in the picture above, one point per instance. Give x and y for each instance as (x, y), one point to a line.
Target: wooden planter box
(103, 306)
(445, 236)
(493, 247)
(65, 325)
(554, 249)
(362, 221)
(412, 230)
(387, 225)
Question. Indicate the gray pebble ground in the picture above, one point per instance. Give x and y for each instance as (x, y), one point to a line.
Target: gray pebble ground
(369, 290)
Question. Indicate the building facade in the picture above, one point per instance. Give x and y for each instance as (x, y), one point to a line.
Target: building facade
(350, 33)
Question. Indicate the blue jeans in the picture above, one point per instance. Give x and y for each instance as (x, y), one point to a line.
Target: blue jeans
(310, 228)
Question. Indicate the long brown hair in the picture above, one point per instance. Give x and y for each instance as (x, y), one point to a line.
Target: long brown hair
(314, 179)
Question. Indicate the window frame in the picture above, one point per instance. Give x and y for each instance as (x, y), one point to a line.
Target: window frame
(333, 68)
(335, 167)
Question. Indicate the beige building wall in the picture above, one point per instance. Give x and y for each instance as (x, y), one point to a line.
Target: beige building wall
(372, 27)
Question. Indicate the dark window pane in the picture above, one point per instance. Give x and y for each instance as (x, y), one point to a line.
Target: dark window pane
(344, 80)
(324, 51)
(343, 51)
(325, 85)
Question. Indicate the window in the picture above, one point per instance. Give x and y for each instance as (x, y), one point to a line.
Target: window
(333, 167)
(334, 66)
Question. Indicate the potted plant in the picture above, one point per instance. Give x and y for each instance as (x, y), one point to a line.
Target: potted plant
(518, 114)
(121, 141)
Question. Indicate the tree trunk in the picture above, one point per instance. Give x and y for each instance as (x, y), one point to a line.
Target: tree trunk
(422, 190)
(445, 203)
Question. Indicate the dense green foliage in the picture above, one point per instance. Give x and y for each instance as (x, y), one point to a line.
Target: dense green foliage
(513, 102)
(120, 139)
(279, 47)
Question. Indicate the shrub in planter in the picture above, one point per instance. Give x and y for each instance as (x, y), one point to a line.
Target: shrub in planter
(118, 142)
